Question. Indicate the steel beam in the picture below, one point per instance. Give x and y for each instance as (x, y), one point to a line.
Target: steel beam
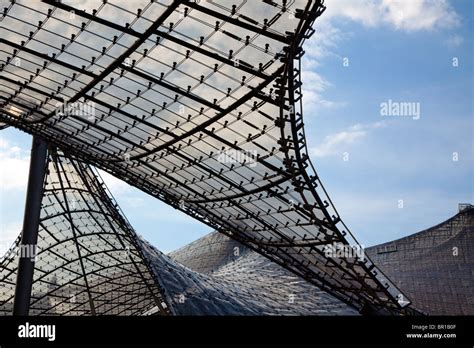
(29, 234)
(241, 24)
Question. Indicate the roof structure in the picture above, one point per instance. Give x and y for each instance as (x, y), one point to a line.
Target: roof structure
(241, 282)
(88, 260)
(434, 267)
(197, 103)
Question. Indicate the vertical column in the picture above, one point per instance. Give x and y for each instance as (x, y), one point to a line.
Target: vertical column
(29, 234)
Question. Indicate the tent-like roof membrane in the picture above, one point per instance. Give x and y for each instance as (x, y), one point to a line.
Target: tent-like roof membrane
(197, 103)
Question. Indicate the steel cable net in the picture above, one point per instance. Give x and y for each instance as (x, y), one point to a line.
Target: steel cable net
(197, 103)
(88, 259)
(216, 275)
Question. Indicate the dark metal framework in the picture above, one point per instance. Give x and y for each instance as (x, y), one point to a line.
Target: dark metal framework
(197, 103)
(31, 220)
(88, 260)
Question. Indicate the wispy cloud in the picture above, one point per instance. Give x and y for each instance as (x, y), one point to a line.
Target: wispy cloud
(313, 87)
(412, 15)
(14, 164)
(115, 185)
(8, 233)
(454, 41)
(339, 142)
(407, 15)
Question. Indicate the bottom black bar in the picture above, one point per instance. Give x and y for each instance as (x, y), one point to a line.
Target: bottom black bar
(290, 331)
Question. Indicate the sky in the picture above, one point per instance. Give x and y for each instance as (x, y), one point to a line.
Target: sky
(388, 107)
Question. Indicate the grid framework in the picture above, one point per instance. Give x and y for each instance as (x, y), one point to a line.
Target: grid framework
(199, 104)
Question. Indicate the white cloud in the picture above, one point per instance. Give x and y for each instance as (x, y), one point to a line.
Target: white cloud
(454, 41)
(337, 143)
(362, 11)
(8, 233)
(407, 15)
(375, 125)
(116, 186)
(315, 81)
(419, 15)
(14, 164)
(334, 143)
(325, 40)
(313, 87)
(14, 167)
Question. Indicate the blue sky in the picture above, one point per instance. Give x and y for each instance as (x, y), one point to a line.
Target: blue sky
(399, 50)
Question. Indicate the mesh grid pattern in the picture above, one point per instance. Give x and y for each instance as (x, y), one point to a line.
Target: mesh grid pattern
(197, 103)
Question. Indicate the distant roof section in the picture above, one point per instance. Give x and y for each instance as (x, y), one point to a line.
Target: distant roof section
(198, 103)
(465, 206)
(435, 266)
(239, 282)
